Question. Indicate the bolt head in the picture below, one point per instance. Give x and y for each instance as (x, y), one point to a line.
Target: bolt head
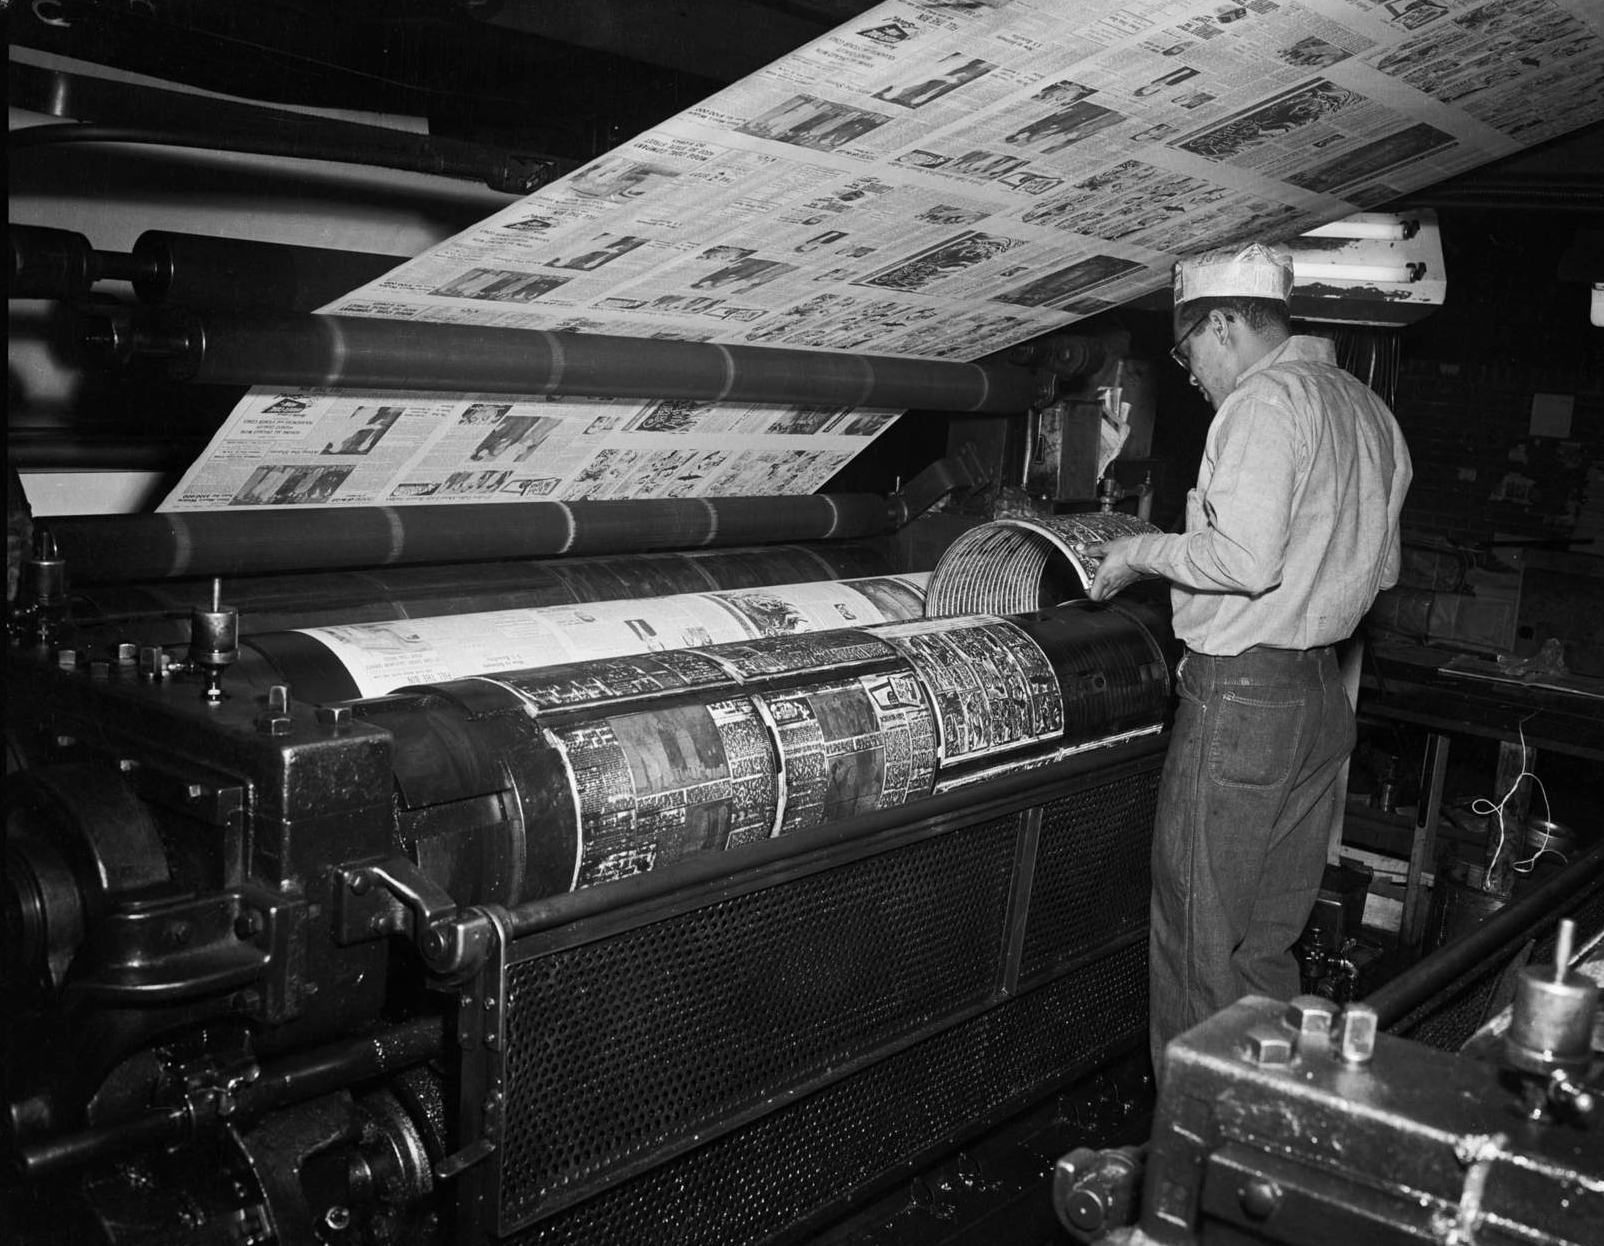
(1259, 1197)
(335, 717)
(1269, 1045)
(1310, 1018)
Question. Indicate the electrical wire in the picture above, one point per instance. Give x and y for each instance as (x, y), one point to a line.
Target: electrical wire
(1486, 808)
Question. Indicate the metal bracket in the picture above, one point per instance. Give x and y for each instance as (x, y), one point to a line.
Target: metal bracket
(962, 469)
(394, 896)
(482, 1036)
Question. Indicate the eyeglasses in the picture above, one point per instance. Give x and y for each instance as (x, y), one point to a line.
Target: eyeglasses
(1175, 351)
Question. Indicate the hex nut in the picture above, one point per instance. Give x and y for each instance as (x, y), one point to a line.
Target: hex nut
(1269, 1045)
(1310, 1017)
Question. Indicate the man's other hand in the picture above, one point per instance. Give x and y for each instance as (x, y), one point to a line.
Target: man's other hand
(1115, 573)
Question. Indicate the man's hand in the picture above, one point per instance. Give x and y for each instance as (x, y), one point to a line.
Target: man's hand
(1116, 572)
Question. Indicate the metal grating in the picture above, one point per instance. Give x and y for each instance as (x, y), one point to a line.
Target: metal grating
(779, 1173)
(1091, 881)
(623, 1049)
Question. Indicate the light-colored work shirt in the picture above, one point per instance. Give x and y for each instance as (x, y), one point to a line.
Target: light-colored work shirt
(1294, 525)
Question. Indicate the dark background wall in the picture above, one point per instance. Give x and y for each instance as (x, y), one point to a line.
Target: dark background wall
(1515, 324)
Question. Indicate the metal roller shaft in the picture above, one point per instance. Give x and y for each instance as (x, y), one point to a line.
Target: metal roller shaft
(195, 270)
(157, 613)
(122, 549)
(359, 353)
(200, 271)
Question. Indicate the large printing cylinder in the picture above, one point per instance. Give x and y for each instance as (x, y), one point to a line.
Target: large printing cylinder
(346, 661)
(529, 783)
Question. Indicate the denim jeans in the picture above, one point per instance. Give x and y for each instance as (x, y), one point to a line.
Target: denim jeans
(1239, 841)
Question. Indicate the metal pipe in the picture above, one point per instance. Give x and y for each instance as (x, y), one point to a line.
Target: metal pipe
(1510, 925)
(291, 1080)
(122, 549)
(364, 353)
(340, 1065)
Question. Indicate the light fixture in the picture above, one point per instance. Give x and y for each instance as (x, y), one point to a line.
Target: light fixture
(1368, 225)
(1303, 270)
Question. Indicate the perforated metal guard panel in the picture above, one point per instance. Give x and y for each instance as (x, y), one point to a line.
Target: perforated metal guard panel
(624, 1048)
(1091, 880)
(765, 1181)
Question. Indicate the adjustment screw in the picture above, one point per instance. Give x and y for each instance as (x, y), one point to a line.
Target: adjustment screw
(127, 654)
(1259, 1198)
(67, 659)
(278, 699)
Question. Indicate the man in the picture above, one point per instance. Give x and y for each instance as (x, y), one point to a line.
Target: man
(1290, 533)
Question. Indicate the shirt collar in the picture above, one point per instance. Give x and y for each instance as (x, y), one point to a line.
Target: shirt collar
(1299, 348)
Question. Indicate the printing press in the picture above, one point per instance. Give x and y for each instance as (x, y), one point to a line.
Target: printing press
(652, 859)
(457, 874)
(716, 939)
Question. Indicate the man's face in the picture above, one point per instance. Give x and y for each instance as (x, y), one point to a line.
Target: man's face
(1208, 363)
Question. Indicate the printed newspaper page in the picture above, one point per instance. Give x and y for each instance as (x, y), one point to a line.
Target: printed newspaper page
(337, 448)
(935, 179)
(382, 657)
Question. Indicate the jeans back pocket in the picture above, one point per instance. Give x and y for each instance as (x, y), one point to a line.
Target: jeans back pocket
(1254, 741)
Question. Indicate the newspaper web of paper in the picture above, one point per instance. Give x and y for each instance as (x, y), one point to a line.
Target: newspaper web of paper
(935, 179)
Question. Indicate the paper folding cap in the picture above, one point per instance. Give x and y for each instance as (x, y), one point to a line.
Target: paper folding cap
(1253, 271)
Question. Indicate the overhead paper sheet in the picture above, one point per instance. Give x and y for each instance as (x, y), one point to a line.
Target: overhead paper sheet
(941, 179)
